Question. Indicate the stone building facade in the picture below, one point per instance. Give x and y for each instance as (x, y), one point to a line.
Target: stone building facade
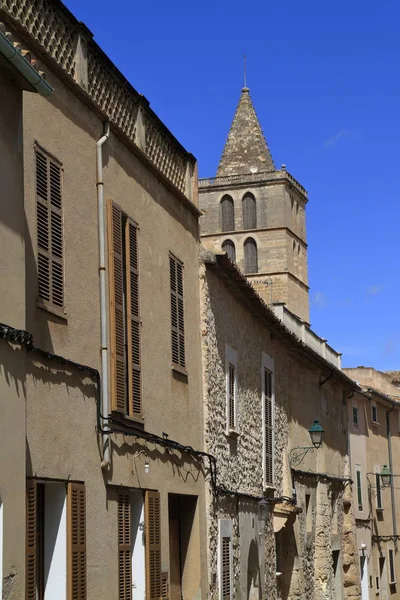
(263, 388)
(374, 427)
(102, 490)
(257, 214)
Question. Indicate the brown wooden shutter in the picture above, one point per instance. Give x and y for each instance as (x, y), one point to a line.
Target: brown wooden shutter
(116, 295)
(76, 542)
(250, 256)
(177, 312)
(249, 212)
(227, 214)
(124, 547)
(231, 398)
(153, 545)
(31, 511)
(49, 229)
(164, 585)
(133, 319)
(226, 568)
(268, 428)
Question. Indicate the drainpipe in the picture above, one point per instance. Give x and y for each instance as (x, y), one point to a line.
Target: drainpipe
(103, 308)
(389, 437)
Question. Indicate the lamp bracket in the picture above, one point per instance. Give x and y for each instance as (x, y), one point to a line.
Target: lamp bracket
(297, 455)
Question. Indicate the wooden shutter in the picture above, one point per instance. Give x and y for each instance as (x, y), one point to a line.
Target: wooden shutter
(250, 256)
(76, 542)
(229, 247)
(153, 545)
(249, 212)
(116, 295)
(49, 229)
(133, 319)
(226, 568)
(164, 586)
(231, 397)
(227, 214)
(177, 312)
(124, 546)
(268, 428)
(31, 511)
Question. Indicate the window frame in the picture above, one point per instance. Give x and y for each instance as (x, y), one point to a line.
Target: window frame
(374, 409)
(267, 364)
(225, 530)
(180, 332)
(360, 496)
(355, 412)
(378, 486)
(231, 359)
(392, 567)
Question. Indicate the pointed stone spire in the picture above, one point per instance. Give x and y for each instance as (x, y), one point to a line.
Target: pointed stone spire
(246, 150)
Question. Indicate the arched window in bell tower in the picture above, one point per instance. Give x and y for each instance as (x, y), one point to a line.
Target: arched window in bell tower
(229, 247)
(250, 256)
(227, 214)
(249, 211)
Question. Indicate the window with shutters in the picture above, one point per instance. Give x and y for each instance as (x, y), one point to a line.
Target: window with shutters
(225, 560)
(392, 572)
(378, 489)
(177, 313)
(49, 221)
(268, 418)
(153, 545)
(250, 256)
(249, 211)
(229, 247)
(359, 487)
(125, 324)
(55, 540)
(227, 214)
(124, 546)
(231, 390)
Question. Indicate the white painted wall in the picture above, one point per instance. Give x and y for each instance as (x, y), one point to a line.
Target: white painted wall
(1, 549)
(55, 541)
(364, 577)
(138, 553)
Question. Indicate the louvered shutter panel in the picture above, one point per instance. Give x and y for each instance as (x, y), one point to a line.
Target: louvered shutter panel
(231, 398)
(226, 568)
(164, 586)
(49, 230)
(227, 214)
(31, 511)
(177, 312)
(250, 256)
(249, 212)
(116, 295)
(229, 247)
(153, 545)
(133, 319)
(124, 547)
(76, 540)
(268, 428)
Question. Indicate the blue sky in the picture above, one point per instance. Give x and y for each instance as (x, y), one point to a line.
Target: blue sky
(324, 78)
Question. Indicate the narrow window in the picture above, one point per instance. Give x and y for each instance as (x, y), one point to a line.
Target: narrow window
(229, 247)
(177, 312)
(227, 214)
(377, 583)
(374, 413)
(153, 545)
(268, 419)
(355, 415)
(250, 256)
(225, 560)
(125, 324)
(378, 491)
(124, 546)
(249, 212)
(359, 490)
(391, 567)
(50, 246)
(309, 520)
(231, 389)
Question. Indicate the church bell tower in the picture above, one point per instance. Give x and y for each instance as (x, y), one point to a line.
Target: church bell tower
(256, 214)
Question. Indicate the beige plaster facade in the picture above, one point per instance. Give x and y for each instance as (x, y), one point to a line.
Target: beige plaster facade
(374, 429)
(314, 524)
(50, 407)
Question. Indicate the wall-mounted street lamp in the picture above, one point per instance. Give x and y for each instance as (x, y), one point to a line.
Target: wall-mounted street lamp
(386, 476)
(297, 454)
(262, 510)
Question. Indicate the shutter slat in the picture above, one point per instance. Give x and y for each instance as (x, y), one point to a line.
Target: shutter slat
(124, 547)
(49, 230)
(31, 511)
(153, 545)
(133, 319)
(177, 312)
(268, 428)
(76, 541)
(116, 296)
